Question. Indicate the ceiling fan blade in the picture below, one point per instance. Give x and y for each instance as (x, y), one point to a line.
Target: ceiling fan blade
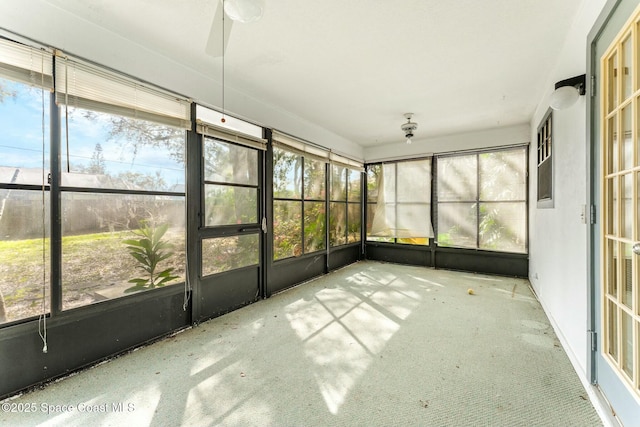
(214, 46)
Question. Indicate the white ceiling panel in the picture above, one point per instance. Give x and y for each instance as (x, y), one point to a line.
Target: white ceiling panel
(354, 67)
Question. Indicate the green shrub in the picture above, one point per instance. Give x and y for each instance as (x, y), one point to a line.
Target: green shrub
(149, 251)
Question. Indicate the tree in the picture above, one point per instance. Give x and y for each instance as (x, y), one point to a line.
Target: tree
(131, 135)
(97, 165)
(149, 250)
(135, 134)
(5, 92)
(140, 133)
(287, 172)
(3, 310)
(287, 221)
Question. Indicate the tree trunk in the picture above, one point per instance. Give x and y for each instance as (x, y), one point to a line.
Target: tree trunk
(3, 310)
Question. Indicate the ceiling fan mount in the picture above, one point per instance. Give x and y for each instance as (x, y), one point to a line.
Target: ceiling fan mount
(228, 12)
(244, 11)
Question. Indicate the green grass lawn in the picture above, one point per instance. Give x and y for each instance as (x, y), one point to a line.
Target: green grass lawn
(90, 263)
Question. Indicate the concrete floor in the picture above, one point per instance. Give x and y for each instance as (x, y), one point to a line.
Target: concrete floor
(371, 344)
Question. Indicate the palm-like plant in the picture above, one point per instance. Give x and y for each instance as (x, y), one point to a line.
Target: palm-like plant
(149, 251)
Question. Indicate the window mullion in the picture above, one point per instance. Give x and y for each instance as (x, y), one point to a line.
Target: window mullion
(302, 236)
(55, 209)
(346, 205)
(395, 202)
(477, 201)
(327, 217)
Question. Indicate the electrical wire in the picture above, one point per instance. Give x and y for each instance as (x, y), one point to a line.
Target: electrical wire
(66, 110)
(187, 285)
(42, 319)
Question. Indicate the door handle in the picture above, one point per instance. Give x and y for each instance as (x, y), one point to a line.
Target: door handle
(636, 248)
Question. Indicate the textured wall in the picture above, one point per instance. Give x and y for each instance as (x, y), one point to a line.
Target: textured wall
(558, 235)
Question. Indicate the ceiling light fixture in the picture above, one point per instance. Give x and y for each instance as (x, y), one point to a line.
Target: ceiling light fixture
(244, 10)
(567, 92)
(408, 127)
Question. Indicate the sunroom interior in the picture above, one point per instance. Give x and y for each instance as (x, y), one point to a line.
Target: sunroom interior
(163, 163)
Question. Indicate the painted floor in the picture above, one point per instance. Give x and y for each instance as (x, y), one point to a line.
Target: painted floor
(371, 344)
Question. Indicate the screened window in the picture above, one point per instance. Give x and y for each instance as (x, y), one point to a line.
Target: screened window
(314, 206)
(122, 183)
(232, 187)
(230, 183)
(482, 200)
(24, 200)
(299, 204)
(374, 173)
(122, 186)
(227, 253)
(345, 222)
(399, 202)
(106, 151)
(119, 183)
(231, 194)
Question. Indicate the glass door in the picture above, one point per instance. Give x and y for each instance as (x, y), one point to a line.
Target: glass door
(617, 298)
(230, 233)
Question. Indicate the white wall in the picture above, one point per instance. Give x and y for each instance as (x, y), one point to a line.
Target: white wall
(41, 21)
(558, 248)
(558, 237)
(518, 134)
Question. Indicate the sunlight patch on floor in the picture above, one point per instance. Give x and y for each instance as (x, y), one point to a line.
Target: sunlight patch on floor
(226, 385)
(373, 277)
(62, 419)
(399, 303)
(147, 397)
(335, 379)
(343, 330)
(210, 358)
(207, 357)
(422, 279)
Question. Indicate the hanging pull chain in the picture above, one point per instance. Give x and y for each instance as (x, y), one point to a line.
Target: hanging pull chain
(66, 111)
(42, 319)
(223, 52)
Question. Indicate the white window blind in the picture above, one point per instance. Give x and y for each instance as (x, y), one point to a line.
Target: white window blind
(90, 87)
(336, 159)
(310, 151)
(209, 123)
(403, 209)
(26, 64)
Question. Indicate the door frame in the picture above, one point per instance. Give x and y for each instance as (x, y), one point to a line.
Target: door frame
(222, 292)
(600, 33)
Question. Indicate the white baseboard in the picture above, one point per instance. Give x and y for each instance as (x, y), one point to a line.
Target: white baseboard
(598, 400)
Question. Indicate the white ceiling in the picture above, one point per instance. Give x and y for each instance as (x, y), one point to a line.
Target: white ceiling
(354, 67)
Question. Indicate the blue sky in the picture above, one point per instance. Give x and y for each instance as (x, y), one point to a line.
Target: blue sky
(21, 127)
(21, 139)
